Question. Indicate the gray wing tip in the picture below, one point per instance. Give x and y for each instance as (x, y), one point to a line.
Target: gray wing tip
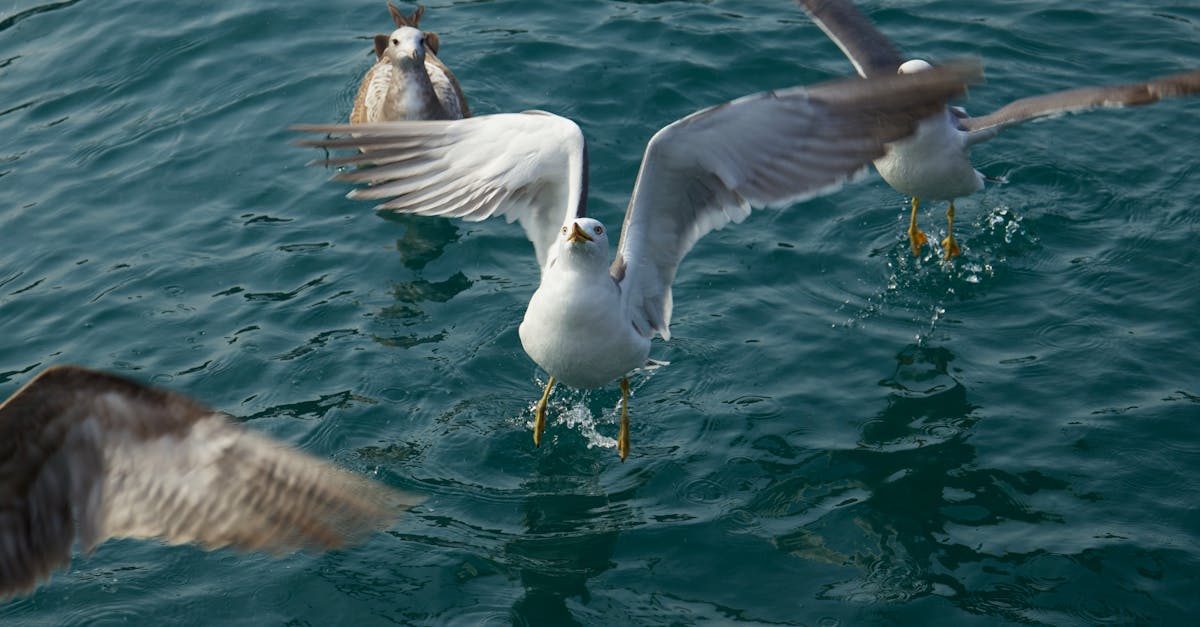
(1082, 99)
(868, 49)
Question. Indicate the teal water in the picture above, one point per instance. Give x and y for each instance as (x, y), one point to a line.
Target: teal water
(845, 435)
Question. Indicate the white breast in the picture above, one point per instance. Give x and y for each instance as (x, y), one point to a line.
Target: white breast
(933, 163)
(575, 330)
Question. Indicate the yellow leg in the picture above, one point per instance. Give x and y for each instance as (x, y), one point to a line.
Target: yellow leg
(915, 236)
(623, 437)
(948, 244)
(539, 415)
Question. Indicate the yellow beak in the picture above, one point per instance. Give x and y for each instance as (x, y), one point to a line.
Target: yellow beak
(578, 234)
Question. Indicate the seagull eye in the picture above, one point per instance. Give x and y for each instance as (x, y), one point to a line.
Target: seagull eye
(564, 230)
(598, 230)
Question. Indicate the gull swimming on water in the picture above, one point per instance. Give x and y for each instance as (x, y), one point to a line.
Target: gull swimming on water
(90, 452)
(591, 320)
(408, 81)
(935, 162)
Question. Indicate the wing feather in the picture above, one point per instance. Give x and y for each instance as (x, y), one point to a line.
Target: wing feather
(868, 49)
(529, 167)
(1083, 99)
(449, 93)
(708, 169)
(119, 459)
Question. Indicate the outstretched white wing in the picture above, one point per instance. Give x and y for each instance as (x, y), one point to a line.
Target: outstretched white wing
(530, 167)
(775, 148)
(119, 459)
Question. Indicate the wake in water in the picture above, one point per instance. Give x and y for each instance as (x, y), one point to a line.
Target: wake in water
(930, 284)
(572, 408)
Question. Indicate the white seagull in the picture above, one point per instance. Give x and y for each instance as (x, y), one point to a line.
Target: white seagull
(591, 320)
(83, 450)
(935, 162)
(408, 81)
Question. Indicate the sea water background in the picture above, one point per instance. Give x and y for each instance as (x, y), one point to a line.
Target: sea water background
(845, 434)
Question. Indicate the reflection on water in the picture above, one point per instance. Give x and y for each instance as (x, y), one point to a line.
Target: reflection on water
(424, 239)
(911, 513)
(398, 318)
(410, 294)
(881, 508)
(571, 528)
(313, 409)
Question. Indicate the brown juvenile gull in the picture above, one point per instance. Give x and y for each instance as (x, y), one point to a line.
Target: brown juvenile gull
(119, 459)
(591, 321)
(408, 81)
(935, 162)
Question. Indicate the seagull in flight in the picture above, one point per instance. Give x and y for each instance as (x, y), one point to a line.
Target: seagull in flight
(592, 317)
(83, 451)
(935, 162)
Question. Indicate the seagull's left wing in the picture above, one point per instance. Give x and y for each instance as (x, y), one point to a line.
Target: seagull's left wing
(776, 148)
(530, 167)
(449, 93)
(868, 49)
(1082, 99)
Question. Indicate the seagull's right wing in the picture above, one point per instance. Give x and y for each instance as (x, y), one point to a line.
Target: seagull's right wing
(868, 49)
(1081, 99)
(120, 459)
(530, 167)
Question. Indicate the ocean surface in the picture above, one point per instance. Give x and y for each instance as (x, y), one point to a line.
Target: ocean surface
(845, 434)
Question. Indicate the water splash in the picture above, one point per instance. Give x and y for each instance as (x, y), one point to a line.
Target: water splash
(927, 285)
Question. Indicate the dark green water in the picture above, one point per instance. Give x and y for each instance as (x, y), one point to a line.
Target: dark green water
(845, 435)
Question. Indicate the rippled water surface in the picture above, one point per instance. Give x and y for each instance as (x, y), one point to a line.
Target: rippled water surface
(845, 434)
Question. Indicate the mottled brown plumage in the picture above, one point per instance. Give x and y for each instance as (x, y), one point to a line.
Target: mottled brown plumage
(397, 89)
(121, 459)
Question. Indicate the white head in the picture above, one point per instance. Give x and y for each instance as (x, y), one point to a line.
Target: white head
(407, 46)
(914, 66)
(584, 236)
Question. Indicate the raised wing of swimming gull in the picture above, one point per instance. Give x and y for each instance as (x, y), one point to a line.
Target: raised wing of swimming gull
(89, 452)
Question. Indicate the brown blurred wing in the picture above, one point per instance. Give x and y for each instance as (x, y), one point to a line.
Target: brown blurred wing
(126, 460)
